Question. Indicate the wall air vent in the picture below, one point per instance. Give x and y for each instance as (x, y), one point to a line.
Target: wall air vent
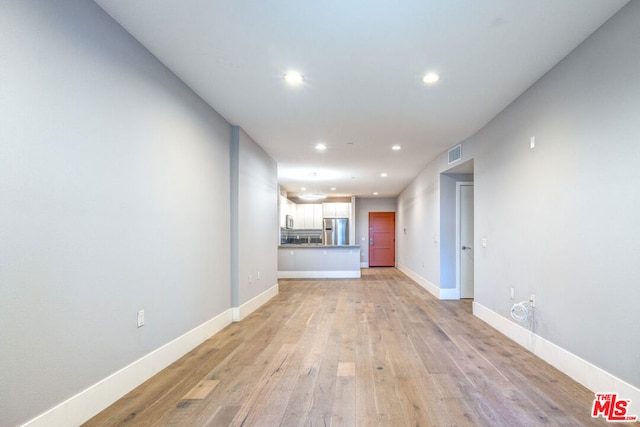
(455, 153)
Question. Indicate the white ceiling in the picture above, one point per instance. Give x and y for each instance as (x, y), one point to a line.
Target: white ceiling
(363, 61)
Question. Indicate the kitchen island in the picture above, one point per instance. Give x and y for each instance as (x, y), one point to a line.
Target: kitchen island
(318, 262)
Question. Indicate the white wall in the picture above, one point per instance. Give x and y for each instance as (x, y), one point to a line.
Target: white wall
(363, 207)
(114, 197)
(560, 220)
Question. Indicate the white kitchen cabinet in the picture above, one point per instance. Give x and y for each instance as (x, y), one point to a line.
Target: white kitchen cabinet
(343, 210)
(336, 210)
(287, 207)
(299, 218)
(329, 210)
(304, 218)
(292, 208)
(283, 209)
(308, 216)
(317, 216)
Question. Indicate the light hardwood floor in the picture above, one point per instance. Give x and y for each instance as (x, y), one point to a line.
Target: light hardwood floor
(376, 351)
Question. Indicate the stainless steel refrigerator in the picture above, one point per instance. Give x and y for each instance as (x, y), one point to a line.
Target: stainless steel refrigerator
(335, 231)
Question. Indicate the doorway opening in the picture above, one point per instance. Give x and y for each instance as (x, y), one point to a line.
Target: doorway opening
(464, 239)
(449, 237)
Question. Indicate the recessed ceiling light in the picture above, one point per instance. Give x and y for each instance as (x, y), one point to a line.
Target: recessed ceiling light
(396, 148)
(321, 147)
(430, 78)
(294, 78)
(375, 193)
(303, 189)
(383, 174)
(333, 188)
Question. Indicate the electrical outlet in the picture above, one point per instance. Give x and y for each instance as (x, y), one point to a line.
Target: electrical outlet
(532, 300)
(140, 318)
(512, 293)
(532, 142)
(250, 278)
(258, 275)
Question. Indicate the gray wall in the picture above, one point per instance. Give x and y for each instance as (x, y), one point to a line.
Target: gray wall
(363, 207)
(418, 224)
(560, 220)
(114, 197)
(258, 226)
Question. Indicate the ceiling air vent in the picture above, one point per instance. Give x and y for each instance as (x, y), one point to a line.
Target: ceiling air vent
(455, 153)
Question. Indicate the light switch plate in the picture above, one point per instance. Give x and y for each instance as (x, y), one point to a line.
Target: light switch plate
(140, 318)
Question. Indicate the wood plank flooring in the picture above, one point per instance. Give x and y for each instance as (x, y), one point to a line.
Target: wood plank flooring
(375, 351)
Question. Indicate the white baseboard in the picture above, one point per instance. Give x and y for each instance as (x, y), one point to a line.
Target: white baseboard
(430, 287)
(349, 274)
(587, 374)
(253, 304)
(86, 404)
(449, 294)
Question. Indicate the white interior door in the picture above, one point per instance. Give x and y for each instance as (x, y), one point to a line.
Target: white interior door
(466, 247)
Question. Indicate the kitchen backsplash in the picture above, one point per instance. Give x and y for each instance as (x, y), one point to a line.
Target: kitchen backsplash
(299, 237)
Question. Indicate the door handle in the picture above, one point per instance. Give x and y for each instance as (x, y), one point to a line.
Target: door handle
(371, 241)
(464, 248)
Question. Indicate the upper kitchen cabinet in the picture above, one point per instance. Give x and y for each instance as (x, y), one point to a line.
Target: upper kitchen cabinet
(336, 210)
(308, 216)
(287, 207)
(300, 221)
(282, 206)
(317, 216)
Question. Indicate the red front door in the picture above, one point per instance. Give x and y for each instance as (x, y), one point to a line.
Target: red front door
(382, 239)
